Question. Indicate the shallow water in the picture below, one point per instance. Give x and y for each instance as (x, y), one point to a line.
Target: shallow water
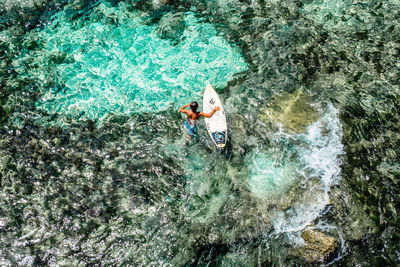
(94, 169)
(111, 61)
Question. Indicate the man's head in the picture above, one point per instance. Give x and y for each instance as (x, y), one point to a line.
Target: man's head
(193, 106)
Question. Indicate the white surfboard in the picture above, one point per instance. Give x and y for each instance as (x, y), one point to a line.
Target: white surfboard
(216, 125)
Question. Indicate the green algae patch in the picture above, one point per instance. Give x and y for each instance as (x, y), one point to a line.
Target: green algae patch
(116, 61)
(294, 111)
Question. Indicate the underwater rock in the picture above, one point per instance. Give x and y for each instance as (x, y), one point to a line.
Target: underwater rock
(171, 26)
(353, 220)
(293, 111)
(318, 246)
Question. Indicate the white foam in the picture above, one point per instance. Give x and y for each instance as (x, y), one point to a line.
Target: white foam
(320, 160)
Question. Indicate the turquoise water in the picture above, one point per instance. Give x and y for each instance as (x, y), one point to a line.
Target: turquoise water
(269, 178)
(111, 61)
(94, 165)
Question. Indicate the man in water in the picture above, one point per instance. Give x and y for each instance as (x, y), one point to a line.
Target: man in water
(193, 115)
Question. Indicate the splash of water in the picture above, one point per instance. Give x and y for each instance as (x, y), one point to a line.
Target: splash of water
(269, 177)
(300, 180)
(320, 164)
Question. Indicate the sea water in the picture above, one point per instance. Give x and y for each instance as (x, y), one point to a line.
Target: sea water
(94, 169)
(112, 61)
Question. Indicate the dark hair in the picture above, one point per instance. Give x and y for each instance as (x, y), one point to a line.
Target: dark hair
(193, 106)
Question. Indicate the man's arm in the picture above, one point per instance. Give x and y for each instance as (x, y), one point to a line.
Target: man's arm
(182, 109)
(209, 115)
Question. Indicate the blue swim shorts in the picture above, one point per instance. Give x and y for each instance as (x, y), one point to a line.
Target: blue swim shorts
(192, 130)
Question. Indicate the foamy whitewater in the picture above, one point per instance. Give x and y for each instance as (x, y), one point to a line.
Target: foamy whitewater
(311, 160)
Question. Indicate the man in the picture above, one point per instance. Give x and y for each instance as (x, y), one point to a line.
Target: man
(193, 115)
